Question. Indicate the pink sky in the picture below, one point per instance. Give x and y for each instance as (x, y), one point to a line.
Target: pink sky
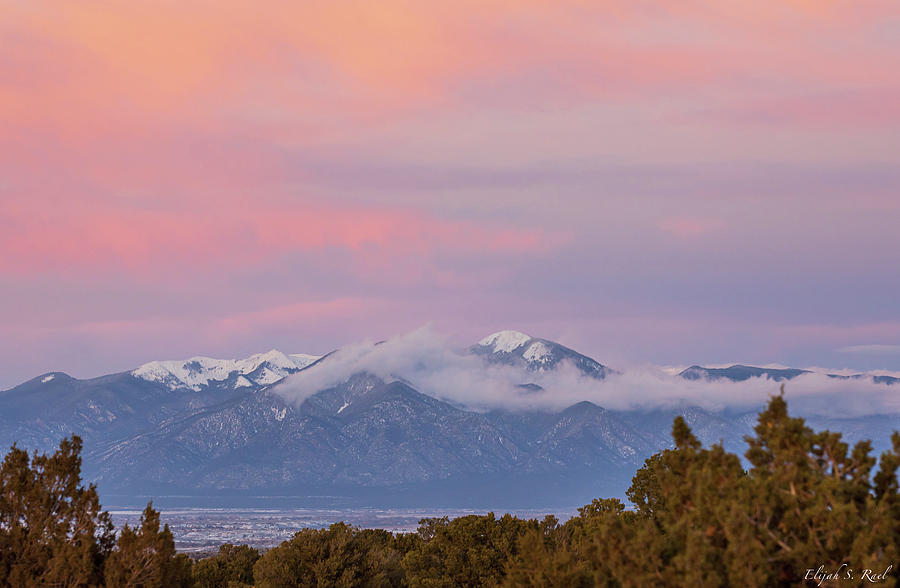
(691, 182)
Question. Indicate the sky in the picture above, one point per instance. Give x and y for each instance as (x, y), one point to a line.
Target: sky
(672, 183)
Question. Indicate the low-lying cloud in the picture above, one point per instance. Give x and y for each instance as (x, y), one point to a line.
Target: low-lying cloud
(428, 362)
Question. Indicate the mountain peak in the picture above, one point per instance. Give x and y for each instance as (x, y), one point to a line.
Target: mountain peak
(505, 341)
(535, 354)
(199, 372)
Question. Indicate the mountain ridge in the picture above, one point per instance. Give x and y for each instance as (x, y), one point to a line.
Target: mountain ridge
(367, 438)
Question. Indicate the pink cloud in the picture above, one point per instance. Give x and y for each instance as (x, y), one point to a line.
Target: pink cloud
(867, 107)
(85, 68)
(147, 148)
(153, 243)
(297, 315)
(691, 227)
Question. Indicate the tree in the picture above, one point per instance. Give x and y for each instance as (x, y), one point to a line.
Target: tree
(808, 497)
(145, 557)
(700, 519)
(231, 567)
(467, 551)
(341, 556)
(52, 529)
(645, 493)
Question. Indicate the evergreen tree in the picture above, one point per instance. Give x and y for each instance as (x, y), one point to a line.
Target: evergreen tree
(52, 529)
(145, 557)
(467, 551)
(341, 556)
(807, 500)
(232, 567)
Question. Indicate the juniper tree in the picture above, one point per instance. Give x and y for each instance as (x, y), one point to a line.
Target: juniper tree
(341, 556)
(231, 567)
(807, 500)
(52, 529)
(145, 557)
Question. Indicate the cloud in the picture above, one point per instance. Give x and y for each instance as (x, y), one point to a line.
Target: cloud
(874, 349)
(425, 359)
(156, 243)
(422, 357)
(687, 227)
(163, 163)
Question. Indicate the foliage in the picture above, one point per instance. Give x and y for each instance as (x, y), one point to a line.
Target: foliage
(806, 505)
(467, 551)
(340, 556)
(232, 567)
(145, 557)
(52, 531)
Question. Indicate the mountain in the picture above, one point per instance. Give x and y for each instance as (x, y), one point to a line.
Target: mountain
(521, 350)
(39, 412)
(366, 437)
(234, 429)
(886, 380)
(739, 373)
(197, 373)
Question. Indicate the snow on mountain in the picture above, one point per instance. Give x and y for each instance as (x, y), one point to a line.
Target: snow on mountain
(301, 360)
(197, 373)
(516, 348)
(505, 341)
(538, 352)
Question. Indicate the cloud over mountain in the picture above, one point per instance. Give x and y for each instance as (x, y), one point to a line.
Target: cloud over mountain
(469, 377)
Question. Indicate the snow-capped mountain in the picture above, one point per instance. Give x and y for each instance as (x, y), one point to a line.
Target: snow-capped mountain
(515, 348)
(197, 373)
(203, 426)
(505, 341)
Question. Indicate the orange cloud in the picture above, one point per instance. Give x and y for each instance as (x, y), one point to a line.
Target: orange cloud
(98, 63)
